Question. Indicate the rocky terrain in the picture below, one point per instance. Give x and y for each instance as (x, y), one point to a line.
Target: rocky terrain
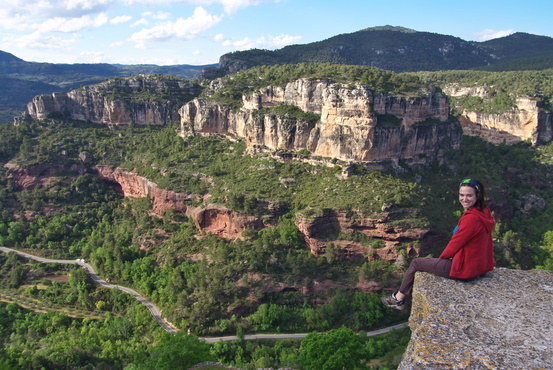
(492, 322)
(527, 121)
(221, 221)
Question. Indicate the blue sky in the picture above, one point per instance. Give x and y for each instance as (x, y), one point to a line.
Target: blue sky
(198, 32)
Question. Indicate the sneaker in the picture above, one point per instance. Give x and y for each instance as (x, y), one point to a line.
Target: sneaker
(392, 302)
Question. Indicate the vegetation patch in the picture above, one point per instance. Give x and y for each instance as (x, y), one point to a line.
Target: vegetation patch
(290, 113)
(388, 120)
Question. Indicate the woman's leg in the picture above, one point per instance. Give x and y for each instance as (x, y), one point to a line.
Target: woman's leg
(437, 266)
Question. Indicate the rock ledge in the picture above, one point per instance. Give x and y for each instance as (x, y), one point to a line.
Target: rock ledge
(500, 321)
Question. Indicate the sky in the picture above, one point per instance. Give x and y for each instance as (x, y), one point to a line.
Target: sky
(198, 32)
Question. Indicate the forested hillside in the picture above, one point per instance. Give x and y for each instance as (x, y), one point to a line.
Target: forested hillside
(54, 205)
(400, 49)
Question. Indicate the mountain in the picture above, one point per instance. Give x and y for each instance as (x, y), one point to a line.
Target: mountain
(404, 50)
(258, 212)
(520, 51)
(71, 75)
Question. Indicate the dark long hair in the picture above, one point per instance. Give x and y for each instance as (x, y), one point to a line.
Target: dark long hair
(480, 190)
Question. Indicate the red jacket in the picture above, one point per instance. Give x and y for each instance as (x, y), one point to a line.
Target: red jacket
(471, 247)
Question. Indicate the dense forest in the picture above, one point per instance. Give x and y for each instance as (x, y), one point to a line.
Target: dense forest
(208, 285)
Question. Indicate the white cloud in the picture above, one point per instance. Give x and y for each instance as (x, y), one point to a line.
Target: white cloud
(184, 29)
(72, 24)
(31, 11)
(269, 42)
(219, 37)
(139, 22)
(120, 19)
(230, 6)
(161, 15)
(39, 41)
(116, 44)
(92, 57)
(489, 34)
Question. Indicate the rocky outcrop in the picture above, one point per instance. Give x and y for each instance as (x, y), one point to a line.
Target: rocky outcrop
(526, 121)
(138, 100)
(352, 125)
(500, 321)
(321, 230)
(213, 219)
(45, 174)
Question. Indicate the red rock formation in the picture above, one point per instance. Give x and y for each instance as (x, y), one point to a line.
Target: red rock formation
(321, 230)
(29, 178)
(221, 221)
(215, 219)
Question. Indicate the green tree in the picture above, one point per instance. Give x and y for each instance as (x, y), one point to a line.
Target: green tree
(337, 349)
(179, 351)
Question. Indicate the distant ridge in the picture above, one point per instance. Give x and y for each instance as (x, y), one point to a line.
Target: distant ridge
(8, 58)
(402, 49)
(390, 28)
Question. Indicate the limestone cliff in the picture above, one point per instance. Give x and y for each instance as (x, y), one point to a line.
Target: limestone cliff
(139, 100)
(500, 321)
(351, 126)
(526, 121)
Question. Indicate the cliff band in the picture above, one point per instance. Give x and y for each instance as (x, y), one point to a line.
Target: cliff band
(352, 126)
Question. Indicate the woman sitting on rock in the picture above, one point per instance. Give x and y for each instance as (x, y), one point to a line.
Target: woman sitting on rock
(468, 254)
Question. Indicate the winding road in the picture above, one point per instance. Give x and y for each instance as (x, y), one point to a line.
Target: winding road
(156, 313)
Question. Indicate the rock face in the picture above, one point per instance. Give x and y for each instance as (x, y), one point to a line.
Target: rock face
(319, 231)
(352, 126)
(138, 100)
(500, 321)
(29, 178)
(219, 220)
(527, 121)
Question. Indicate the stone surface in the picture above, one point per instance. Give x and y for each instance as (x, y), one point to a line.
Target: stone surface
(500, 321)
(318, 231)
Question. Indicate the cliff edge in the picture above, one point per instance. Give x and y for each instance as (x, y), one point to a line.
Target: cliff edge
(500, 321)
